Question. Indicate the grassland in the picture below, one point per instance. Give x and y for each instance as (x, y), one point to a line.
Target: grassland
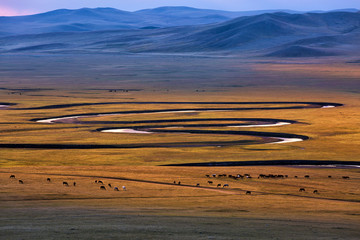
(153, 207)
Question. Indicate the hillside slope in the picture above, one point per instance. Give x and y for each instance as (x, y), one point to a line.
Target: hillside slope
(270, 34)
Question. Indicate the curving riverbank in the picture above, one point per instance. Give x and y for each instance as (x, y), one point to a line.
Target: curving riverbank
(178, 126)
(314, 163)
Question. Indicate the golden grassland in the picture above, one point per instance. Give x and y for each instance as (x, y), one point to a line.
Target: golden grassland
(153, 207)
(333, 128)
(150, 192)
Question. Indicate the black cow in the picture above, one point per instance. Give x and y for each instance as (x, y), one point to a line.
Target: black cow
(210, 182)
(12, 176)
(48, 179)
(21, 182)
(248, 192)
(65, 184)
(315, 191)
(302, 190)
(102, 188)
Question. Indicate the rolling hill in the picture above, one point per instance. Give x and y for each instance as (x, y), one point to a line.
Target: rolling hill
(100, 19)
(270, 34)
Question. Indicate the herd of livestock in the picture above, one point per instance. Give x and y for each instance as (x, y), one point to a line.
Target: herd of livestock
(210, 182)
(66, 184)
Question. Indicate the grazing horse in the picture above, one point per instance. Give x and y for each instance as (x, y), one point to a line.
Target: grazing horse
(315, 191)
(210, 182)
(248, 192)
(12, 176)
(226, 185)
(65, 184)
(21, 182)
(102, 188)
(345, 177)
(116, 189)
(124, 188)
(219, 185)
(302, 190)
(48, 179)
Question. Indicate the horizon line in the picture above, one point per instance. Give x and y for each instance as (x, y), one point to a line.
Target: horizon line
(133, 11)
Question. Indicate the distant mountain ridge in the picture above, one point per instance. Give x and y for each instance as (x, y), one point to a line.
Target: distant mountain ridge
(100, 19)
(276, 34)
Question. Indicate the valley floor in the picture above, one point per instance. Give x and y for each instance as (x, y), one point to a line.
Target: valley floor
(155, 205)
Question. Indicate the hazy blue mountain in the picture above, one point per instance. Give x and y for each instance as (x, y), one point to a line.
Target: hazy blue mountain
(270, 34)
(87, 19)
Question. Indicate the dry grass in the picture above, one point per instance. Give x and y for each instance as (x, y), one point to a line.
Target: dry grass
(159, 209)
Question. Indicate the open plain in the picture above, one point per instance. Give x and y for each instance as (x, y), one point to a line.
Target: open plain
(155, 205)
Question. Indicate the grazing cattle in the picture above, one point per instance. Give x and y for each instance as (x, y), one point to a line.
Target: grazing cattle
(96, 181)
(226, 185)
(207, 175)
(100, 182)
(286, 176)
(302, 190)
(174, 182)
(315, 191)
(179, 183)
(248, 192)
(345, 177)
(214, 175)
(124, 188)
(65, 184)
(295, 176)
(116, 189)
(21, 182)
(306, 176)
(74, 184)
(12, 176)
(219, 185)
(48, 179)
(198, 184)
(329, 176)
(210, 182)
(102, 188)
(109, 185)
